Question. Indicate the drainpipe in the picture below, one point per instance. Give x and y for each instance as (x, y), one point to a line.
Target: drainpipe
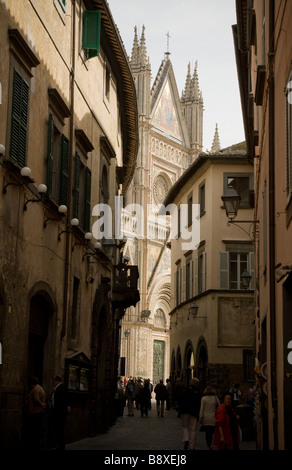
(272, 220)
(70, 182)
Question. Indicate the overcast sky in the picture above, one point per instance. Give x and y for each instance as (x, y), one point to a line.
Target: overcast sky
(199, 31)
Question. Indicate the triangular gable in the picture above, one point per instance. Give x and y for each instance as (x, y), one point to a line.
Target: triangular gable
(166, 117)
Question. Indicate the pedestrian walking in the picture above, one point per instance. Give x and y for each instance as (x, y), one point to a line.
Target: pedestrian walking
(33, 429)
(235, 395)
(227, 433)
(178, 392)
(138, 388)
(161, 394)
(145, 399)
(61, 408)
(131, 397)
(190, 410)
(209, 403)
(120, 399)
(168, 396)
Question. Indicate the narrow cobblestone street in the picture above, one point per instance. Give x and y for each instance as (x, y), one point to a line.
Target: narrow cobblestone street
(150, 433)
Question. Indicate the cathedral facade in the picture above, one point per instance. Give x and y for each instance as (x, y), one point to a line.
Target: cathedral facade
(171, 138)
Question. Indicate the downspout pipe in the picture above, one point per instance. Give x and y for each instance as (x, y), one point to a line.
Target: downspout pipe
(271, 177)
(70, 181)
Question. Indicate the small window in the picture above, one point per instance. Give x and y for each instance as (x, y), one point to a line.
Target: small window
(232, 265)
(107, 82)
(63, 4)
(243, 184)
(202, 198)
(190, 209)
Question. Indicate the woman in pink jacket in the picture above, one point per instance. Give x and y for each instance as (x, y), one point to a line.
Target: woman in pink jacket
(227, 435)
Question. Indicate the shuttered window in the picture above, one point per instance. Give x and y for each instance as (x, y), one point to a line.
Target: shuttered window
(91, 32)
(64, 177)
(82, 193)
(50, 159)
(200, 273)
(19, 121)
(87, 200)
(76, 186)
(178, 285)
(232, 266)
(57, 164)
(189, 280)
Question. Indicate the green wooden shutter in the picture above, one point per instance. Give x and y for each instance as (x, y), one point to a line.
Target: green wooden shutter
(76, 189)
(87, 200)
(64, 175)
(50, 154)
(19, 119)
(63, 3)
(91, 32)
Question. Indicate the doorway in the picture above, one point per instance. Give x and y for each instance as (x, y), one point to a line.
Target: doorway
(38, 344)
(158, 361)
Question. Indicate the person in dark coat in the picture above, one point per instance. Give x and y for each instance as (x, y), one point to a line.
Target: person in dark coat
(161, 395)
(190, 409)
(61, 408)
(145, 398)
(178, 393)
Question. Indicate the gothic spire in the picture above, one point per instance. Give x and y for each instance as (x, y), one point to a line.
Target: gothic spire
(135, 48)
(195, 84)
(192, 90)
(143, 52)
(216, 142)
(187, 93)
(139, 52)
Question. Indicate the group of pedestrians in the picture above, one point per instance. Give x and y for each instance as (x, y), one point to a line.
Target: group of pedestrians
(197, 410)
(134, 393)
(219, 421)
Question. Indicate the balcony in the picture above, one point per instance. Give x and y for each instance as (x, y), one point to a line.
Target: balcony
(125, 292)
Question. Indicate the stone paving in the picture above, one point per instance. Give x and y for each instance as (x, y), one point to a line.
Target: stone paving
(152, 433)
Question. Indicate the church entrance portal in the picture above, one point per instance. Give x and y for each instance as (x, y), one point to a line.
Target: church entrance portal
(158, 361)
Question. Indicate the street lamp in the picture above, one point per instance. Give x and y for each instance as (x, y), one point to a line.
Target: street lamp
(194, 310)
(231, 201)
(245, 279)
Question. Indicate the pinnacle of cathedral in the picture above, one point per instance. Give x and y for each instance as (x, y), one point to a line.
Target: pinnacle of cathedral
(139, 52)
(195, 84)
(192, 90)
(216, 142)
(135, 48)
